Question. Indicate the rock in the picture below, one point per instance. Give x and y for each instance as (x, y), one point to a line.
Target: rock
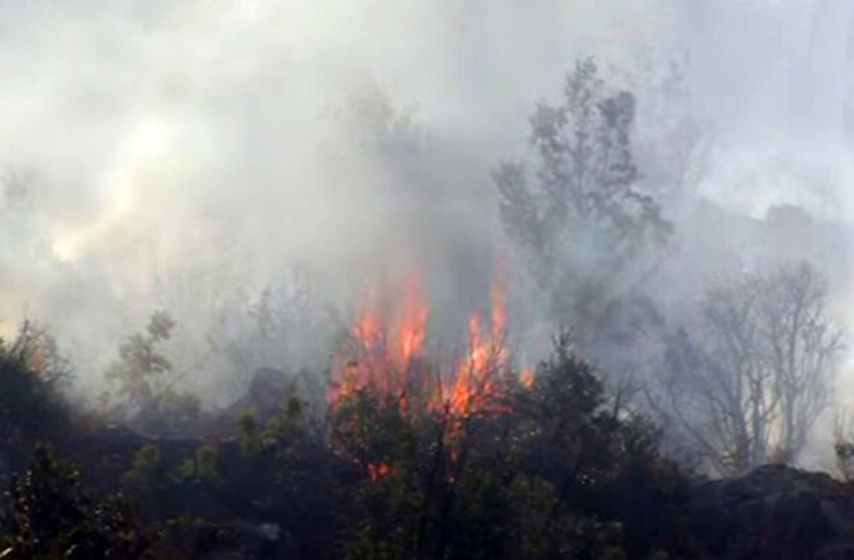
(234, 541)
(775, 511)
(268, 390)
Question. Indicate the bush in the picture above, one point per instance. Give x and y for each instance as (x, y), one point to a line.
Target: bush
(31, 407)
(50, 515)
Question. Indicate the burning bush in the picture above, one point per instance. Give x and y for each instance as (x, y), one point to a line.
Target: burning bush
(419, 457)
(382, 368)
(471, 460)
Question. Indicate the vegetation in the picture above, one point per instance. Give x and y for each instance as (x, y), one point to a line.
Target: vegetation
(752, 380)
(50, 515)
(367, 481)
(582, 223)
(31, 408)
(392, 460)
(142, 380)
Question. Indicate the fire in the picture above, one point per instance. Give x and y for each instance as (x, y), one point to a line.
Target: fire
(410, 326)
(526, 377)
(386, 357)
(386, 346)
(381, 358)
(474, 383)
(36, 359)
(377, 471)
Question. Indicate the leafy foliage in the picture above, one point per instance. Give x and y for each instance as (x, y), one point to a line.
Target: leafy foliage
(31, 407)
(527, 482)
(141, 366)
(50, 515)
(556, 469)
(582, 222)
(143, 384)
(756, 379)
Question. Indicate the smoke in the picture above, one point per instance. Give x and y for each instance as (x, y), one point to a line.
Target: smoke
(214, 141)
(175, 153)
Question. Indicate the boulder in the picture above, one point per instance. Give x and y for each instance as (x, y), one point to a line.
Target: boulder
(268, 390)
(231, 541)
(774, 511)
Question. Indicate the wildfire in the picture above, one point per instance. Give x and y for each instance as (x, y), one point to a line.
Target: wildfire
(381, 357)
(474, 383)
(377, 471)
(385, 356)
(526, 377)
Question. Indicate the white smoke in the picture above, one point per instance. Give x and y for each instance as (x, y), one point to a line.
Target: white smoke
(172, 152)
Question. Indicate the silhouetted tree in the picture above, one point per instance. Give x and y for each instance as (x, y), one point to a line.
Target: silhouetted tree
(286, 328)
(142, 380)
(750, 384)
(31, 406)
(580, 222)
(139, 373)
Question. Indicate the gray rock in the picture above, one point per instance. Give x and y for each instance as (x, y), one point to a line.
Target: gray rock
(775, 511)
(268, 390)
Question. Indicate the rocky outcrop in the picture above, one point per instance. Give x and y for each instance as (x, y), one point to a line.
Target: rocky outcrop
(229, 541)
(268, 390)
(777, 512)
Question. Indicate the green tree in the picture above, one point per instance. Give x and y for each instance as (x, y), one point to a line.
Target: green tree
(283, 473)
(142, 472)
(528, 480)
(201, 468)
(138, 375)
(31, 406)
(581, 222)
(142, 382)
(50, 515)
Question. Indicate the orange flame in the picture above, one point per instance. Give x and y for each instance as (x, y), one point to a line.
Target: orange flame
(475, 381)
(381, 358)
(377, 471)
(385, 354)
(36, 361)
(526, 377)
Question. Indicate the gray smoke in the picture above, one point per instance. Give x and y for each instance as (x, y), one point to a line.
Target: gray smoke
(187, 154)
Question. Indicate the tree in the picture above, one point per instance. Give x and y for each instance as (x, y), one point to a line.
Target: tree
(754, 380)
(536, 478)
(31, 408)
(581, 223)
(139, 372)
(674, 139)
(143, 384)
(50, 515)
(286, 328)
(843, 448)
(37, 348)
(804, 347)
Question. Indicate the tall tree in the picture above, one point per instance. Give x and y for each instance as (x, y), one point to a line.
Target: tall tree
(752, 382)
(581, 222)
